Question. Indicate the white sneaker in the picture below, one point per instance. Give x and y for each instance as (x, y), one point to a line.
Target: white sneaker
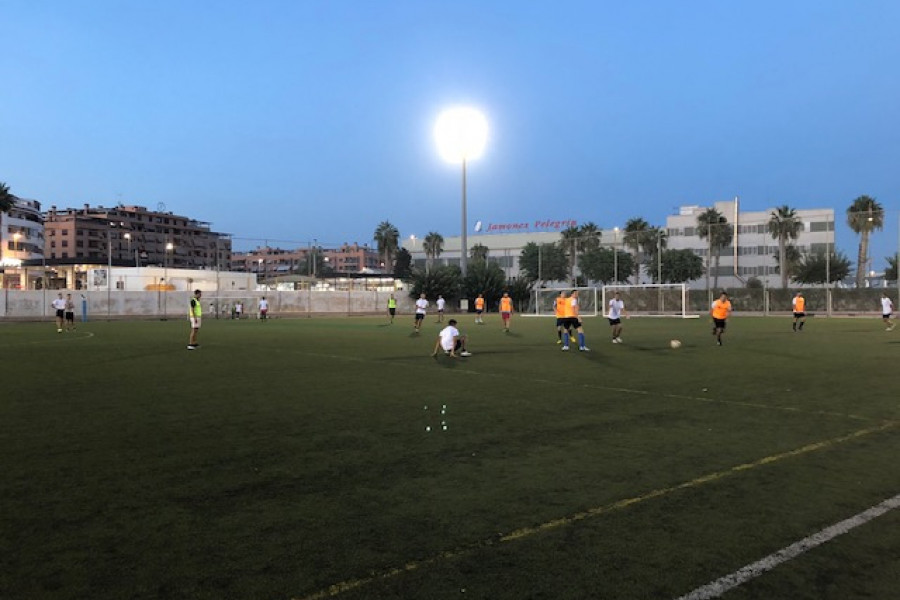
(565, 348)
(465, 353)
(619, 341)
(584, 349)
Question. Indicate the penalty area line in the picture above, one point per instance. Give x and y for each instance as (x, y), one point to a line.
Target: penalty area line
(753, 570)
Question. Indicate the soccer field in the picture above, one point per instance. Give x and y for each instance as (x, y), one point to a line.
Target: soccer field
(334, 458)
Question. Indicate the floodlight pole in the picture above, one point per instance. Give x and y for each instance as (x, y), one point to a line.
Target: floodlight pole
(463, 259)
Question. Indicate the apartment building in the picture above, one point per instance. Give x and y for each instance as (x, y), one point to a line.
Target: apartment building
(133, 236)
(21, 240)
(273, 262)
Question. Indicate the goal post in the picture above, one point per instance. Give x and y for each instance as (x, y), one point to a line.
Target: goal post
(651, 299)
(542, 300)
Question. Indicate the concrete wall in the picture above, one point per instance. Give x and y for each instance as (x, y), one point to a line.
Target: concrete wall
(36, 304)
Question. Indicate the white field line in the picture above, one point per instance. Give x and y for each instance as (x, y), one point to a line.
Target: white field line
(79, 335)
(525, 532)
(728, 582)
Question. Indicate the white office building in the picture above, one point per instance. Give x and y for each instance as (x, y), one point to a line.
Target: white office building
(753, 251)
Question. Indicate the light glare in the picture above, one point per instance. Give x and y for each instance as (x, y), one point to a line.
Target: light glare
(461, 133)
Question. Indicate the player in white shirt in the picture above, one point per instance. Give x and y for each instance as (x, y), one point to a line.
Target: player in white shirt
(616, 312)
(440, 308)
(449, 340)
(263, 308)
(70, 313)
(59, 304)
(887, 308)
(421, 306)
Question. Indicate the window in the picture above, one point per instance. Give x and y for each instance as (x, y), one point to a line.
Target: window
(65, 243)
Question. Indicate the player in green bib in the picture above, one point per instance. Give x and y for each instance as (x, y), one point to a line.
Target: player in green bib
(195, 312)
(392, 307)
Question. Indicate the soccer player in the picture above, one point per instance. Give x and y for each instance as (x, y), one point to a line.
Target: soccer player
(392, 307)
(450, 340)
(574, 322)
(720, 311)
(70, 313)
(479, 309)
(421, 307)
(440, 308)
(263, 308)
(238, 310)
(559, 308)
(616, 310)
(887, 309)
(195, 311)
(506, 307)
(798, 304)
(59, 304)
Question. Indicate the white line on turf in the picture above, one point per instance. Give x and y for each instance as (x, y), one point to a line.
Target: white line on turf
(728, 582)
(525, 532)
(79, 335)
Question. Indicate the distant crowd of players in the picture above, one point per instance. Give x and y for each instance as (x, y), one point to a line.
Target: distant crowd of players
(569, 325)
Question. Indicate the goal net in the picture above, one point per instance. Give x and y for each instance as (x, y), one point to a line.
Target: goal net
(651, 300)
(542, 301)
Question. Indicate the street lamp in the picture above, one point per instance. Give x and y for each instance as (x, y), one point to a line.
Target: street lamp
(169, 247)
(461, 135)
(127, 236)
(616, 255)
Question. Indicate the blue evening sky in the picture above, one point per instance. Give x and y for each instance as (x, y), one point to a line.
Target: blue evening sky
(293, 120)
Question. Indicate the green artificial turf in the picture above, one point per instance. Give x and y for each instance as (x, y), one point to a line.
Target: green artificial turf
(292, 459)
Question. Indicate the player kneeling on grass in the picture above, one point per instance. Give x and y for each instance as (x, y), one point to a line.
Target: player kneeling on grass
(449, 340)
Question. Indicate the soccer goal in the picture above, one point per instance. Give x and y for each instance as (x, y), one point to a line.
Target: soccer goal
(651, 299)
(543, 301)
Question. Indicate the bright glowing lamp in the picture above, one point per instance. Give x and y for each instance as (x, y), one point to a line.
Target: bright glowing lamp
(461, 135)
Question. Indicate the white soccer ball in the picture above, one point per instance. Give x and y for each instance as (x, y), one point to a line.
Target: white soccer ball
(675, 343)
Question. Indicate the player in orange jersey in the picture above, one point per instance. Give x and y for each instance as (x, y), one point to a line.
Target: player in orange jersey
(720, 311)
(506, 308)
(798, 304)
(479, 309)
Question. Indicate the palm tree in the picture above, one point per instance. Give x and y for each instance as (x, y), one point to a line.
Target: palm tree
(712, 226)
(864, 216)
(387, 238)
(656, 241)
(590, 237)
(478, 253)
(784, 226)
(433, 245)
(569, 244)
(578, 240)
(7, 200)
(637, 235)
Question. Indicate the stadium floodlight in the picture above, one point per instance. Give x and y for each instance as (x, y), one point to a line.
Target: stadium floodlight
(461, 135)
